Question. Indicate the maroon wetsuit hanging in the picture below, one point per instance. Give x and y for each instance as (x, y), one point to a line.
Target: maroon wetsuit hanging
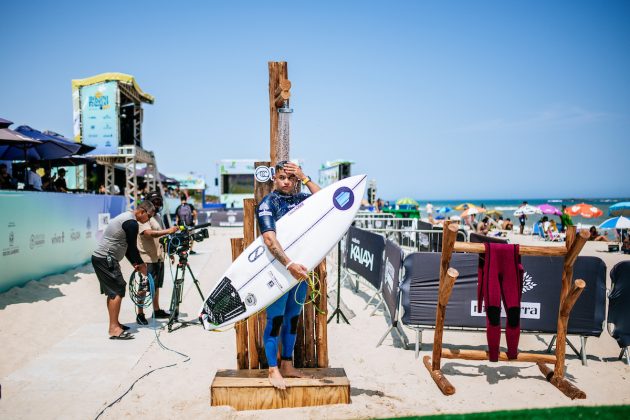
(501, 279)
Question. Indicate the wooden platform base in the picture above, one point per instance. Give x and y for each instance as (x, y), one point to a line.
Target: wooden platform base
(249, 389)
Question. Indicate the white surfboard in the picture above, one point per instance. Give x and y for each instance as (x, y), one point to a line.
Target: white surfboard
(307, 233)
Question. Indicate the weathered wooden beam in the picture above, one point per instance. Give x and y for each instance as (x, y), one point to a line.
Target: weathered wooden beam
(483, 355)
(562, 384)
(322, 316)
(566, 305)
(547, 251)
(240, 328)
(448, 240)
(277, 72)
(446, 287)
(438, 377)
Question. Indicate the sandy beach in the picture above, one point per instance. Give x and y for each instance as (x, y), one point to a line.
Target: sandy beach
(57, 361)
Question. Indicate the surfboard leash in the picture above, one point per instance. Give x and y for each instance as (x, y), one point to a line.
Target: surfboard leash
(316, 291)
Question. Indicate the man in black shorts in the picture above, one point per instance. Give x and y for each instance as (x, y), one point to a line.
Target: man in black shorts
(119, 241)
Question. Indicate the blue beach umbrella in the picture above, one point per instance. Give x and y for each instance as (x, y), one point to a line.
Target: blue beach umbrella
(445, 209)
(616, 223)
(620, 209)
(49, 148)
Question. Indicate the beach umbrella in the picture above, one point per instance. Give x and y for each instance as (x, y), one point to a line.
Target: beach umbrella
(444, 209)
(5, 123)
(527, 210)
(83, 149)
(472, 211)
(585, 210)
(407, 202)
(47, 147)
(549, 209)
(464, 206)
(494, 213)
(616, 223)
(440, 217)
(620, 209)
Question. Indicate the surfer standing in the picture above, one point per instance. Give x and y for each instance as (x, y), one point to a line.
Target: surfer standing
(283, 314)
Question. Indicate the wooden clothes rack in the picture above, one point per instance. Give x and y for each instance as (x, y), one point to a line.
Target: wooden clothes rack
(568, 296)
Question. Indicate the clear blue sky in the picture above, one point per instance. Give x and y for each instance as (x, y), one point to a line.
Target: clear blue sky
(433, 99)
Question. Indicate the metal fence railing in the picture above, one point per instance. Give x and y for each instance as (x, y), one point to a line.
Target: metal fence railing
(410, 234)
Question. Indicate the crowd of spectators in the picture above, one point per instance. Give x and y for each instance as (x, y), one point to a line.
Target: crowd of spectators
(39, 179)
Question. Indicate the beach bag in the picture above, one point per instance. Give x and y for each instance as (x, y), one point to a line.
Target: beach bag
(185, 214)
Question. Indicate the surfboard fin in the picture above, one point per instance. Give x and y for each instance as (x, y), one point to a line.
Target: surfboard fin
(224, 303)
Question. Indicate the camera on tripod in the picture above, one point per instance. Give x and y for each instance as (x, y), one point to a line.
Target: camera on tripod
(179, 242)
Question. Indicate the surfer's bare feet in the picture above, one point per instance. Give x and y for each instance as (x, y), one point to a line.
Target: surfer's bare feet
(288, 371)
(276, 379)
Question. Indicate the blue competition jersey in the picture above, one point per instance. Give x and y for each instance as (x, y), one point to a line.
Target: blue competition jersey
(274, 206)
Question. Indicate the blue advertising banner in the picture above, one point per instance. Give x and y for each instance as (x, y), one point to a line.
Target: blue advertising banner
(49, 233)
(99, 117)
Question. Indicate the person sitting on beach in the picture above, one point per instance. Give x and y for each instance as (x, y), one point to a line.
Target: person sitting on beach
(6, 181)
(120, 240)
(483, 226)
(508, 225)
(595, 236)
(283, 314)
(500, 223)
(152, 253)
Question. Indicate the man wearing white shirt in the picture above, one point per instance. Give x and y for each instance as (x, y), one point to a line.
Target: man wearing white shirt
(34, 180)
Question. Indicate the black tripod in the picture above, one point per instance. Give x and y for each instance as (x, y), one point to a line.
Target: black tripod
(178, 289)
(338, 312)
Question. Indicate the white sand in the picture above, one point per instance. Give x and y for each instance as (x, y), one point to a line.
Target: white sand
(58, 363)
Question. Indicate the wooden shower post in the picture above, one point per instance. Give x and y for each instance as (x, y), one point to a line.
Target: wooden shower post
(241, 326)
(279, 92)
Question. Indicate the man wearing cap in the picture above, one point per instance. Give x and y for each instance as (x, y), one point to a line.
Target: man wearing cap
(283, 314)
(152, 254)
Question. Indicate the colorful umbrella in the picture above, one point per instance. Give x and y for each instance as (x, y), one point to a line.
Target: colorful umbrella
(472, 210)
(445, 209)
(620, 209)
(527, 210)
(407, 202)
(464, 206)
(585, 210)
(616, 223)
(549, 209)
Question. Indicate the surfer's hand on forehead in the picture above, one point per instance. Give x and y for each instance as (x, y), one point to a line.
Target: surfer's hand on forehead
(293, 169)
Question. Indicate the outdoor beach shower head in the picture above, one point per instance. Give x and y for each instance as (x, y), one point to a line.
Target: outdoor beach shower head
(285, 108)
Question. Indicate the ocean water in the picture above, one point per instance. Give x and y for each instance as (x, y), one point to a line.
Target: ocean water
(509, 206)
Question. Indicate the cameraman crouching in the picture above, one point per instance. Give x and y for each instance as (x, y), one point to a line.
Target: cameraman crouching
(119, 241)
(152, 253)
